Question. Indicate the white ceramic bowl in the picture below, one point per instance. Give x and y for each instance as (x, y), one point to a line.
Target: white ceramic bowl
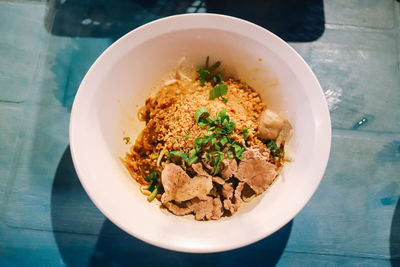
(105, 107)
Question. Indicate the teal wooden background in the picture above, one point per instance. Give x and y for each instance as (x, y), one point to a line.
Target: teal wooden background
(46, 218)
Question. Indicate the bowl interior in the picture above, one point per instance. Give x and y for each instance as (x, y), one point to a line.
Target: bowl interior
(122, 78)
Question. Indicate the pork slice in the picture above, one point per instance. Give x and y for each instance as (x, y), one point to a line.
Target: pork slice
(218, 209)
(270, 124)
(198, 168)
(206, 209)
(233, 205)
(227, 190)
(213, 192)
(210, 208)
(256, 171)
(207, 165)
(179, 186)
(218, 180)
(256, 152)
(229, 168)
(175, 209)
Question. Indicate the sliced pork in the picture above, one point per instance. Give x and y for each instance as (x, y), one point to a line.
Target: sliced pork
(178, 185)
(229, 168)
(256, 171)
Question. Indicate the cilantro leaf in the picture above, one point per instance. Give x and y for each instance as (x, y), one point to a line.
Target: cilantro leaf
(205, 72)
(203, 75)
(275, 150)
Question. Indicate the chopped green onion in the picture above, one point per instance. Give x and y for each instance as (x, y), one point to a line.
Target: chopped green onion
(201, 113)
(153, 193)
(186, 135)
(152, 185)
(218, 159)
(219, 90)
(228, 155)
(272, 145)
(245, 133)
(245, 86)
(192, 160)
(178, 154)
(217, 78)
(213, 140)
(192, 153)
(275, 150)
(239, 154)
(214, 66)
(152, 176)
(205, 72)
(224, 140)
(223, 99)
(127, 139)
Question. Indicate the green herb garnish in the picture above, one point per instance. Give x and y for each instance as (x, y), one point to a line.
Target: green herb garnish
(205, 72)
(152, 176)
(219, 90)
(245, 86)
(245, 133)
(186, 135)
(216, 142)
(201, 114)
(203, 75)
(274, 149)
(153, 193)
(217, 78)
(217, 161)
(223, 99)
(127, 139)
(178, 154)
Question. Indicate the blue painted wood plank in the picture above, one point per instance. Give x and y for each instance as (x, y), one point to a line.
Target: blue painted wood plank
(352, 210)
(305, 259)
(66, 62)
(46, 183)
(359, 73)
(10, 121)
(21, 44)
(22, 247)
(374, 14)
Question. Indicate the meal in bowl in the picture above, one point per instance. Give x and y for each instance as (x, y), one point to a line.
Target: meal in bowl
(209, 145)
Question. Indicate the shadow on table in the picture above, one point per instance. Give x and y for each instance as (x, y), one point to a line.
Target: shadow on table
(395, 237)
(292, 20)
(73, 212)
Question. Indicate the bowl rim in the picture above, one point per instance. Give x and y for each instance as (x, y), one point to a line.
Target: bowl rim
(325, 133)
